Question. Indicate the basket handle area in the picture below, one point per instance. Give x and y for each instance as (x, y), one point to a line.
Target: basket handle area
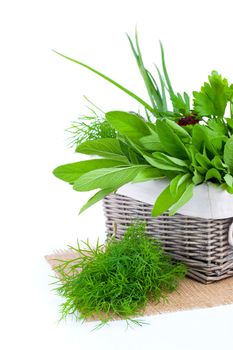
(230, 235)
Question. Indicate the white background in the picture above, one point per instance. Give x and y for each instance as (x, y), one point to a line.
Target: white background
(40, 95)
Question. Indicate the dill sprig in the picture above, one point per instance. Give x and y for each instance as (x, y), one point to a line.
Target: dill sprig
(93, 126)
(117, 279)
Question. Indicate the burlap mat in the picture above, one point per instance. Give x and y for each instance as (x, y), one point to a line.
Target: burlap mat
(190, 295)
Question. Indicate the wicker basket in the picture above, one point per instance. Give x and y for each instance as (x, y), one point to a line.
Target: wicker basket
(202, 244)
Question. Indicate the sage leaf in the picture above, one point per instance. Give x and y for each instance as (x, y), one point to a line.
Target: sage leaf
(151, 143)
(146, 174)
(130, 125)
(109, 148)
(72, 171)
(96, 198)
(107, 178)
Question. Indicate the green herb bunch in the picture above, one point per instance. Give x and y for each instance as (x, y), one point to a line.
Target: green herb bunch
(93, 126)
(118, 279)
(188, 144)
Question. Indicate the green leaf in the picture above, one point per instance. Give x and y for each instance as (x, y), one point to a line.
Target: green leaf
(166, 199)
(202, 137)
(184, 198)
(213, 174)
(163, 90)
(163, 202)
(167, 79)
(107, 178)
(130, 154)
(203, 160)
(162, 161)
(197, 178)
(218, 163)
(177, 182)
(218, 126)
(130, 125)
(229, 180)
(213, 97)
(150, 83)
(170, 141)
(147, 174)
(96, 198)
(130, 93)
(181, 104)
(109, 148)
(228, 154)
(180, 131)
(72, 171)
(167, 159)
(229, 122)
(151, 142)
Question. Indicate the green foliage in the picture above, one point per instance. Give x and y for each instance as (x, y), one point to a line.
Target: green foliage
(228, 154)
(171, 142)
(90, 127)
(213, 97)
(181, 104)
(129, 125)
(107, 177)
(118, 279)
(71, 172)
(188, 146)
(109, 148)
(204, 156)
(157, 97)
(127, 91)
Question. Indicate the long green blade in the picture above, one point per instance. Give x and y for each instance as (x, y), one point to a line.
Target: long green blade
(137, 98)
(165, 71)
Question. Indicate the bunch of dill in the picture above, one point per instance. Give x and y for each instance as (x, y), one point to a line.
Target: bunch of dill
(92, 126)
(117, 279)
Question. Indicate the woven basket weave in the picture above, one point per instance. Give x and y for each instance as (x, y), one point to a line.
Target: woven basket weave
(202, 244)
